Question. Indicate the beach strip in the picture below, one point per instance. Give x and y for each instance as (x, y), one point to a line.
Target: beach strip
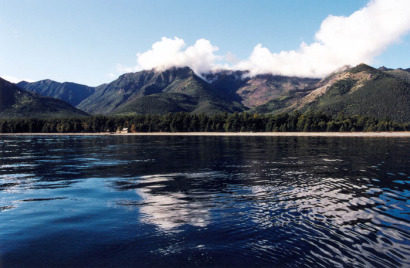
(403, 134)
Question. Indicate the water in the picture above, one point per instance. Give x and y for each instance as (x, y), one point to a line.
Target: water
(126, 201)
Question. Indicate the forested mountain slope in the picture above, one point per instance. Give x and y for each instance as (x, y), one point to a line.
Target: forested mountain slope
(173, 90)
(361, 90)
(18, 103)
(69, 92)
(380, 93)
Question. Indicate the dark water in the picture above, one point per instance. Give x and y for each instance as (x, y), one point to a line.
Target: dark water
(104, 201)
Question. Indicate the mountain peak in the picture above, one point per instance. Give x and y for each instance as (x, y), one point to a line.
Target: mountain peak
(362, 67)
(70, 92)
(182, 72)
(157, 91)
(361, 90)
(384, 68)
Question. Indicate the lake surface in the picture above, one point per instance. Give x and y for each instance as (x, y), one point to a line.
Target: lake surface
(174, 201)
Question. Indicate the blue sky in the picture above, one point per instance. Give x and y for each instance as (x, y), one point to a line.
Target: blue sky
(92, 42)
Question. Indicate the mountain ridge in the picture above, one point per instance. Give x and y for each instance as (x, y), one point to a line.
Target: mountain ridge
(69, 92)
(259, 89)
(17, 103)
(347, 90)
(361, 90)
(173, 86)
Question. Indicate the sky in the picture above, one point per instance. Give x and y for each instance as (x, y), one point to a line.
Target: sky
(94, 41)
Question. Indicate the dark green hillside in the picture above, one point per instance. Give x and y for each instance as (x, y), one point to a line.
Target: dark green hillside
(159, 104)
(228, 83)
(18, 103)
(69, 92)
(175, 102)
(366, 91)
(8, 94)
(400, 73)
(176, 89)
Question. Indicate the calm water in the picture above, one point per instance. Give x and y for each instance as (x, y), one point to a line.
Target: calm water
(104, 201)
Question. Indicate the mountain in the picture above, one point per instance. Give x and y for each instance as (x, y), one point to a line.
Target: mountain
(175, 90)
(69, 92)
(380, 93)
(258, 90)
(172, 90)
(18, 103)
(360, 90)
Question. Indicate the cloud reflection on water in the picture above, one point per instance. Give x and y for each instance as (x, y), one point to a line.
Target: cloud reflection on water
(164, 205)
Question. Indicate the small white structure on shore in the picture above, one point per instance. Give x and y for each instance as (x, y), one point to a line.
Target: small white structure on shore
(123, 131)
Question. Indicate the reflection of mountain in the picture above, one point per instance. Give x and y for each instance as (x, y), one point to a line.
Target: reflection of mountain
(166, 204)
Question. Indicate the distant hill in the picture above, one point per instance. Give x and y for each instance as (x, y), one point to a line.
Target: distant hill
(173, 90)
(360, 90)
(69, 92)
(18, 103)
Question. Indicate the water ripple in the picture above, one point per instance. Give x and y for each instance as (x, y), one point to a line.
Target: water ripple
(204, 201)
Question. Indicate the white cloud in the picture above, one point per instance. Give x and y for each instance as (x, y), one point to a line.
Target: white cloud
(14, 79)
(340, 41)
(111, 75)
(171, 53)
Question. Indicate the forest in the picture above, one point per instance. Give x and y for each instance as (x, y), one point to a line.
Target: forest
(186, 122)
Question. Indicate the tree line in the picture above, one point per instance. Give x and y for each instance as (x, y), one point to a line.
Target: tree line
(186, 122)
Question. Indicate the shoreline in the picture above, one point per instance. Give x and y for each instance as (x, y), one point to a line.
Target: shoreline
(404, 134)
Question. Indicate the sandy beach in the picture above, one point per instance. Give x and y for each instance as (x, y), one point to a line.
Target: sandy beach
(404, 134)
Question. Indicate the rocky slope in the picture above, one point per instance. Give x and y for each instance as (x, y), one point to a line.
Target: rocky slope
(258, 90)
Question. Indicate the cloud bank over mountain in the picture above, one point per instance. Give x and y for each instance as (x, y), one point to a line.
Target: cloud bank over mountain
(340, 41)
(169, 52)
